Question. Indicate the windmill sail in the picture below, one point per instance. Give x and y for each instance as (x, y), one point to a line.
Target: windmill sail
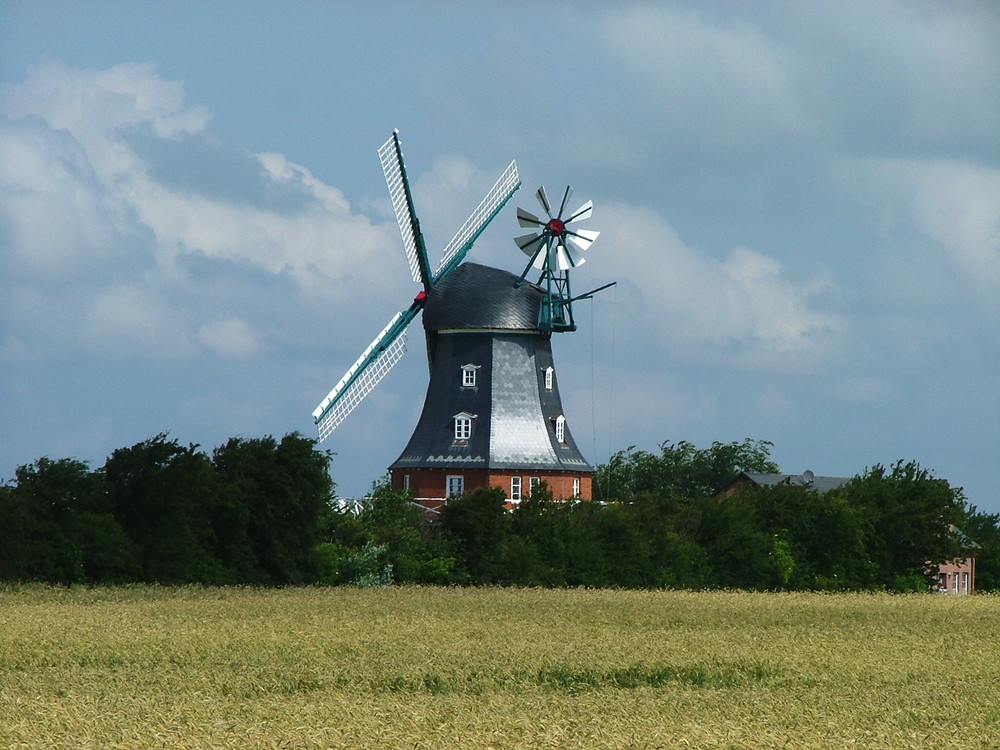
(374, 364)
(456, 250)
(391, 156)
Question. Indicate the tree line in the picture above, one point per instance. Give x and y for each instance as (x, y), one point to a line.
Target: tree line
(252, 512)
(264, 512)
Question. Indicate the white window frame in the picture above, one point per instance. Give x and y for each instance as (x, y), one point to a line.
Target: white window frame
(454, 484)
(406, 482)
(549, 378)
(576, 486)
(469, 375)
(463, 425)
(515, 489)
(533, 484)
(560, 425)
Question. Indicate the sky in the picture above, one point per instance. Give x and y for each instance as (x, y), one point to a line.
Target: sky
(799, 202)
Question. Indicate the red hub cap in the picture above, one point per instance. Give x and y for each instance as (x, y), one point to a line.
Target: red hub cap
(557, 227)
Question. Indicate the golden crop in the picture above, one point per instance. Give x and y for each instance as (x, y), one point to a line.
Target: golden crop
(148, 667)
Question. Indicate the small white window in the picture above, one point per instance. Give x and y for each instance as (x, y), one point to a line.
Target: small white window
(576, 486)
(533, 483)
(469, 375)
(515, 489)
(406, 481)
(560, 422)
(463, 425)
(455, 484)
(549, 372)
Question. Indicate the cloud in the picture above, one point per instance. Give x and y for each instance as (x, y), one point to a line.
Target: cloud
(129, 319)
(112, 183)
(744, 310)
(728, 76)
(230, 337)
(56, 218)
(940, 222)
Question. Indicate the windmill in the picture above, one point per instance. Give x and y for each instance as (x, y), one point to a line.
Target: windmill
(492, 415)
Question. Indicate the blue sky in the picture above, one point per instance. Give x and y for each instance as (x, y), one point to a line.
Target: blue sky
(800, 203)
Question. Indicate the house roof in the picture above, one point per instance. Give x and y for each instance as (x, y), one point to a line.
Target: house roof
(805, 479)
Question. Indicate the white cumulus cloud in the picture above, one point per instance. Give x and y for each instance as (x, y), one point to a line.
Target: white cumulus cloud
(113, 186)
(745, 309)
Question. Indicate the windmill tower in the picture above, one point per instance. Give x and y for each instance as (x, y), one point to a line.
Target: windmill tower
(492, 415)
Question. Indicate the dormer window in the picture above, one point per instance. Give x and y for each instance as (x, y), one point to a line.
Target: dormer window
(469, 375)
(549, 376)
(560, 425)
(463, 426)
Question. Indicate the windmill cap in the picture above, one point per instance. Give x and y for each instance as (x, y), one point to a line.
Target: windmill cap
(475, 297)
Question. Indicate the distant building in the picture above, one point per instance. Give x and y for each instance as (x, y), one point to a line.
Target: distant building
(749, 479)
(957, 576)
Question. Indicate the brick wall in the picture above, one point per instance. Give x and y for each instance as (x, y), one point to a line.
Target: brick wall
(432, 483)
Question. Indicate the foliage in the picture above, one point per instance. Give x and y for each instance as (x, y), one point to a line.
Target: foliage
(272, 508)
(909, 516)
(681, 469)
(414, 550)
(163, 512)
(359, 567)
(478, 526)
(259, 511)
(56, 525)
(161, 492)
(980, 535)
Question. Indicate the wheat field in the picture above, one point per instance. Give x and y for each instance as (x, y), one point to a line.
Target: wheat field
(149, 667)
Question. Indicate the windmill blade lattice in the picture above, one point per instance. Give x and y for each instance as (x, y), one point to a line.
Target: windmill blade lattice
(374, 364)
(556, 246)
(391, 156)
(495, 199)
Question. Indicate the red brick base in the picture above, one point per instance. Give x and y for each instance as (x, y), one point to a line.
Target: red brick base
(433, 483)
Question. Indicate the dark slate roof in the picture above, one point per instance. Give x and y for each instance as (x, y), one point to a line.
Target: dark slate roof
(479, 297)
(806, 479)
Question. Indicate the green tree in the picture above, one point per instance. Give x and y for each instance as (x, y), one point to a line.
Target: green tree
(680, 469)
(162, 493)
(819, 537)
(670, 524)
(981, 537)
(273, 507)
(478, 526)
(539, 538)
(56, 526)
(910, 515)
(738, 546)
(413, 547)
